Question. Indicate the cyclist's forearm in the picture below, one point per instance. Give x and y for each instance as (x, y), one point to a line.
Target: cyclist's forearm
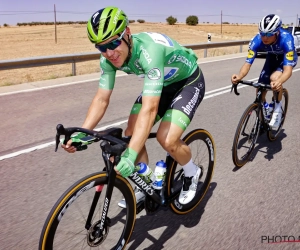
(95, 113)
(286, 74)
(244, 70)
(142, 129)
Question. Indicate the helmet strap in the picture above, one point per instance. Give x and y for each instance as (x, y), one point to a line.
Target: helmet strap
(129, 48)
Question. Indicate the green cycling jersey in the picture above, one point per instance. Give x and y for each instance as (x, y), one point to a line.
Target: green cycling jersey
(157, 58)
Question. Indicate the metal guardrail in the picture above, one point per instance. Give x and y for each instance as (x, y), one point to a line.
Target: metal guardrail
(73, 58)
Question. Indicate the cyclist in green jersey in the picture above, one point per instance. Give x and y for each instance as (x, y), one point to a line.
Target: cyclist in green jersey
(173, 88)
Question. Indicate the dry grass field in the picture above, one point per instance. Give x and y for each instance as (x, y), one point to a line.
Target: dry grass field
(35, 41)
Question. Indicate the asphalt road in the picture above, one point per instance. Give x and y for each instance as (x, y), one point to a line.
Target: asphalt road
(244, 208)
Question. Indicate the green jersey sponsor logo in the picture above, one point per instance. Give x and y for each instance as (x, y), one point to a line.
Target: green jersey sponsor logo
(154, 74)
(180, 58)
(153, 84)
(172, 59)
(149, 91)
(184, 60)
(146, 54)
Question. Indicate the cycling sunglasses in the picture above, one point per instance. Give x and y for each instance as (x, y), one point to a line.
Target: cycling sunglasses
(267, 34)
(111, 45)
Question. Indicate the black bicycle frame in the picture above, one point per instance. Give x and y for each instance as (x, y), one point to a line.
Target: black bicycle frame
(108, 151)
(261, 87)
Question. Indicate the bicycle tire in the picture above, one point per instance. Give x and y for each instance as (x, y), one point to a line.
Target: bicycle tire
(61, 209)
(250, 137)
(273, 134)
(205, 140)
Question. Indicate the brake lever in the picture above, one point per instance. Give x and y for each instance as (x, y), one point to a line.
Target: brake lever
(61, 131)
(234, 87)
(57, 141)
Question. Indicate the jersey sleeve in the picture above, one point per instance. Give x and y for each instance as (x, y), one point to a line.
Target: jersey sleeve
(252, 51)
(289, 51)
(152, 62)
(108, 74)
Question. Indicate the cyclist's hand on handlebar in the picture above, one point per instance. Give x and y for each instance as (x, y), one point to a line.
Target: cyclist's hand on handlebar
(68, 147)
(74, 138)
(235, 79)
(126, 165)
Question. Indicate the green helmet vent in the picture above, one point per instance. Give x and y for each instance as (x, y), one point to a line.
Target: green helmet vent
(106, 23)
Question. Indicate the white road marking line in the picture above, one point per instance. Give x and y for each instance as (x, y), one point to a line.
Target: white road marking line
(28, 150)
(121, 122)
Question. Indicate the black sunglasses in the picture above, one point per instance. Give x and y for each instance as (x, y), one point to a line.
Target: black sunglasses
(111, 45)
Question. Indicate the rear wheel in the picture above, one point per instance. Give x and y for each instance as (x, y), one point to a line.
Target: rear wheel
(273, 133)
(67, 224)
(202, 147)
(246, 135)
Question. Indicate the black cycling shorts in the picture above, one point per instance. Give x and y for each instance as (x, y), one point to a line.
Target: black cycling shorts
(179, 101)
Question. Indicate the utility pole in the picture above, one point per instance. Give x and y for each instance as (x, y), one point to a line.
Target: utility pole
(221, 22)
(55, 24)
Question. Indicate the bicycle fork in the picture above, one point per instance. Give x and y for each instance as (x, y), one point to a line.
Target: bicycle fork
(99, 230)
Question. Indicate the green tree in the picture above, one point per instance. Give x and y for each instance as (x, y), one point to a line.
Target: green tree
(192, 20)
(171, 20)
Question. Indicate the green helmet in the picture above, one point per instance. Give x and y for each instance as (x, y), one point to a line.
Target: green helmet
(106, 23)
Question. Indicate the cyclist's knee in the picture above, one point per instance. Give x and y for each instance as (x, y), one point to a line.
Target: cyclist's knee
(275, 76)
(168, 143)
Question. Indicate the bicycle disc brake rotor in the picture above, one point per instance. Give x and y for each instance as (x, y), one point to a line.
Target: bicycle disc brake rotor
(95, 235)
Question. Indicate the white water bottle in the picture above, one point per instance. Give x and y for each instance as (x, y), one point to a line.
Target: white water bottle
(271, 107)
(266, 111)
(159, 172)
(145, 172)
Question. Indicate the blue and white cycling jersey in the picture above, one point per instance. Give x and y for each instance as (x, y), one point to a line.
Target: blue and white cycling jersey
(284, 45)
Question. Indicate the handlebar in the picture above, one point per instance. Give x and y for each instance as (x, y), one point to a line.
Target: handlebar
(250, 83)
(111, 135)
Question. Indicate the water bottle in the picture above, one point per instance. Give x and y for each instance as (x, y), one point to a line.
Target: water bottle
(145, 172)
(159, 173)
(266, 111)
(271, 107)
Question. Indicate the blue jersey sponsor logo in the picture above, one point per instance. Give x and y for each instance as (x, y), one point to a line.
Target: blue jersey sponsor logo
(170, 74)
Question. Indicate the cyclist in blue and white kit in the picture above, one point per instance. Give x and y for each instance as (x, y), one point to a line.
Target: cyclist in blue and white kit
(280, 60)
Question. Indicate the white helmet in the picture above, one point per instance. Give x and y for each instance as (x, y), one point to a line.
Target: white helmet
(269, 24)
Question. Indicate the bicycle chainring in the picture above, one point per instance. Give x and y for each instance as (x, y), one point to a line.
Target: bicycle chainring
(150, 206)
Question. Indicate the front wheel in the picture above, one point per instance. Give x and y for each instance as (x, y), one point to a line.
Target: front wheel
(273, 133)
(73, 222)
(203, 152)
(246, 135)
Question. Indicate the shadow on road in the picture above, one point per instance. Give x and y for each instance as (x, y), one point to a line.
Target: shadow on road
(263, 145)
(271, 147)
(167, 219)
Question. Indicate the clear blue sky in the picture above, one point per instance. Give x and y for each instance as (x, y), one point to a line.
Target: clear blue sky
(233, 11)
